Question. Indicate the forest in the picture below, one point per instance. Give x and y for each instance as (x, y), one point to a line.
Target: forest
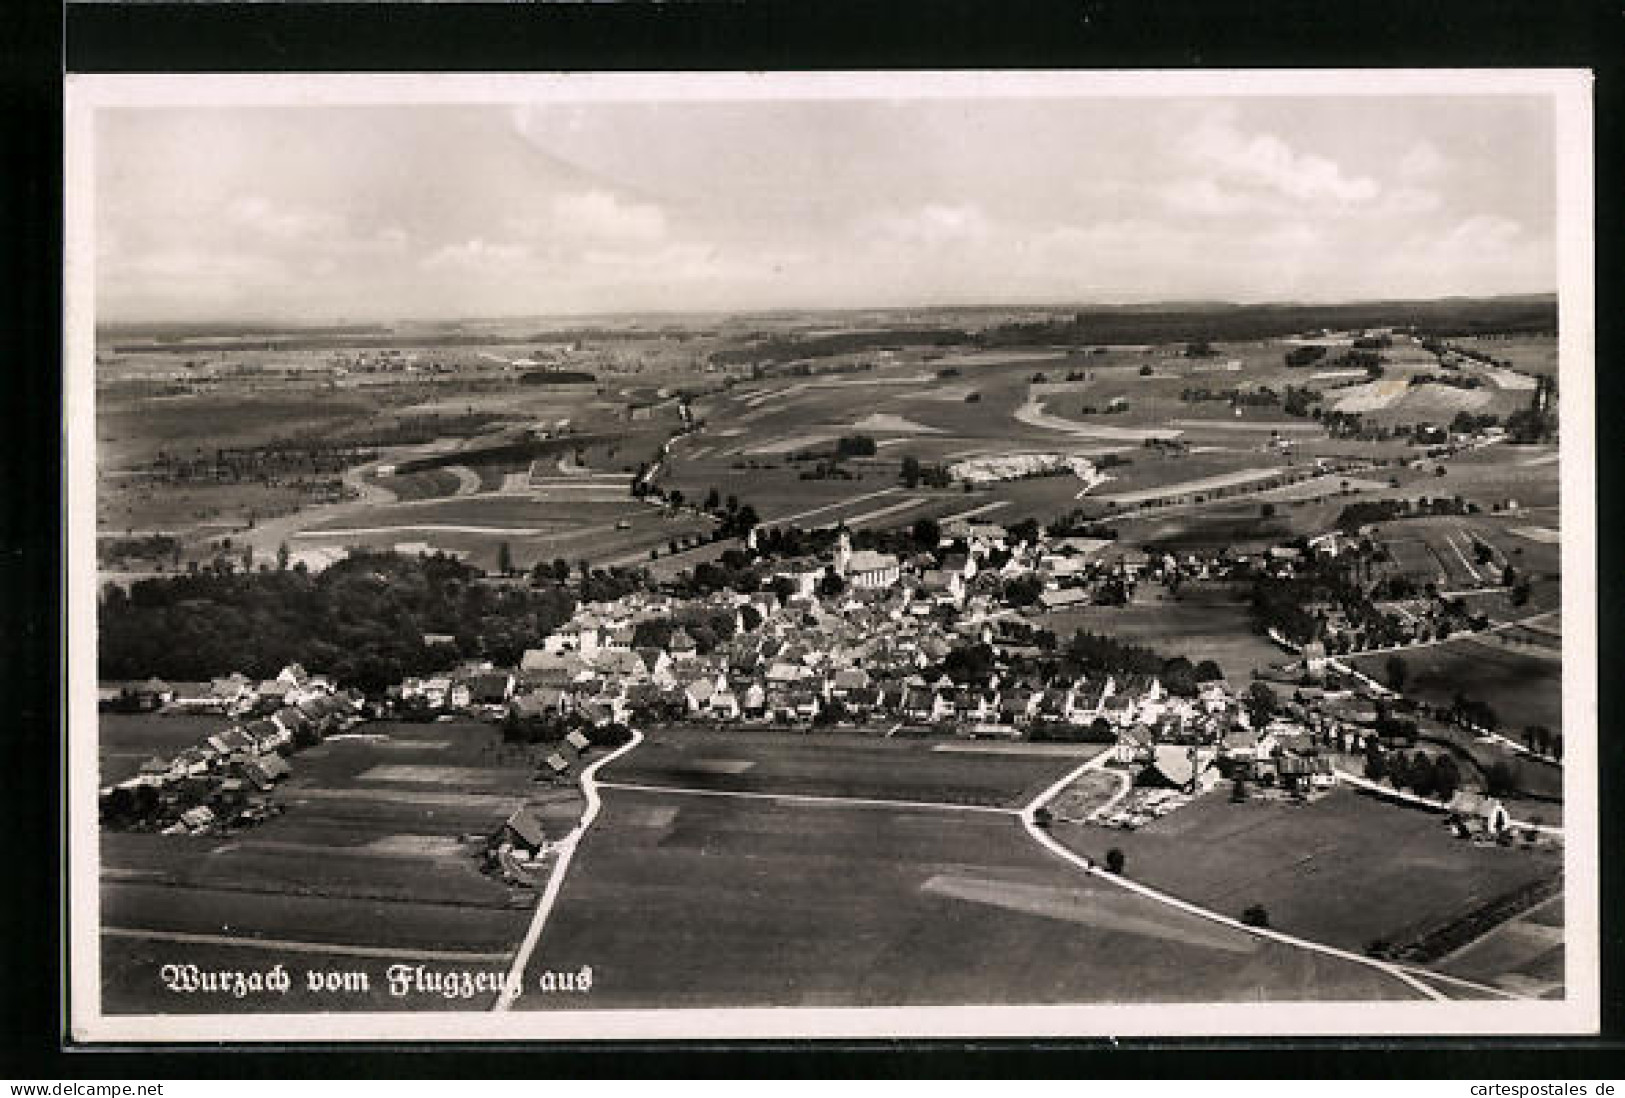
(363, 621)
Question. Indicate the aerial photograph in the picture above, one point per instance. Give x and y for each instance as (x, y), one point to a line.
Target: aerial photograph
(631, 553)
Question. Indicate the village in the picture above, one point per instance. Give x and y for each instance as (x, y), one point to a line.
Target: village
(941, 639)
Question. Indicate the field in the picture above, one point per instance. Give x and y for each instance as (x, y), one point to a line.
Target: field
(373, 863)
(1523, 955)
(129, 739)
(1522, 688)
(534, 529)
(1533, 354)
(843, 765)
(682, 898)
(1205, 621)
(1346, 870)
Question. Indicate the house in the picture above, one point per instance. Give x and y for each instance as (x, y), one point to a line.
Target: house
(1242, 745)
(267, 735)
(1188, 769)
(1132, 750)
(275, 767)
(437, 692)
(537, 704)
(1017, 706)
(681, 646)
(942, 587)
(293, 722)
(754, 701)
(847, 680)
(576, 740)
(522, 831)
(697, 694)
(785, 673)
(803, 704)
(724, 704)
(198, 818)
(981, 706)
(273, 694)
(1062, 598)
(491, 689)
(232, 694)
(1487, 812)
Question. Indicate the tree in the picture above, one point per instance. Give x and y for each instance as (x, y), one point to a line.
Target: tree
(831, 584)
(713, 500)
(1179, 677)
(1023, 590)
(926, 533)
(1115, 861)
(1446, 777)
(505, 559)
(1397, 670)
(1376, 763)
(1208, 671)
(1261, 703)
(1238, 791)
(910, 472)
(1256, 915)
(1419, 774)
(1500, 779)
(281, 557)
(1266, 510)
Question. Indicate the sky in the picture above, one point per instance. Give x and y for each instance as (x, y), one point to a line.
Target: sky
(330, 213)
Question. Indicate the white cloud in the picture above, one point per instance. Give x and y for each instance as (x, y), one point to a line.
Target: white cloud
(259, 214)
(1265, 161)
(935, 224)
(1422, 161)
(596, 217)
(475, 254)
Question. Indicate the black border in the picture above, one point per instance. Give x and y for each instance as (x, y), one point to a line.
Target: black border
(750, 34)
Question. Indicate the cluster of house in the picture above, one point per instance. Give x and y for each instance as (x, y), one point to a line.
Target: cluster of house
(233, 695)
(226, 775)
(872, 652)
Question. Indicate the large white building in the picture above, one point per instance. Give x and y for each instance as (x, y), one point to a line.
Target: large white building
(866, 568)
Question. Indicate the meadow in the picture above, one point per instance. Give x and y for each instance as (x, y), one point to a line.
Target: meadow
(1346, 870)
(683, 899)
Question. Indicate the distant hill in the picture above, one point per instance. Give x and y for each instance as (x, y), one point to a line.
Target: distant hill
(1170, 323)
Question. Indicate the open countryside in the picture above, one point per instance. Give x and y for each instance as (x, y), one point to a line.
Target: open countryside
(752, 555)
(848, 638)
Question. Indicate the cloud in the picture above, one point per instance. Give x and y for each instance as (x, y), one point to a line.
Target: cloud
(593, 218)
(936, 224)
(1264, 161)
(1422, 161)
(474, 255)
(260, 215)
